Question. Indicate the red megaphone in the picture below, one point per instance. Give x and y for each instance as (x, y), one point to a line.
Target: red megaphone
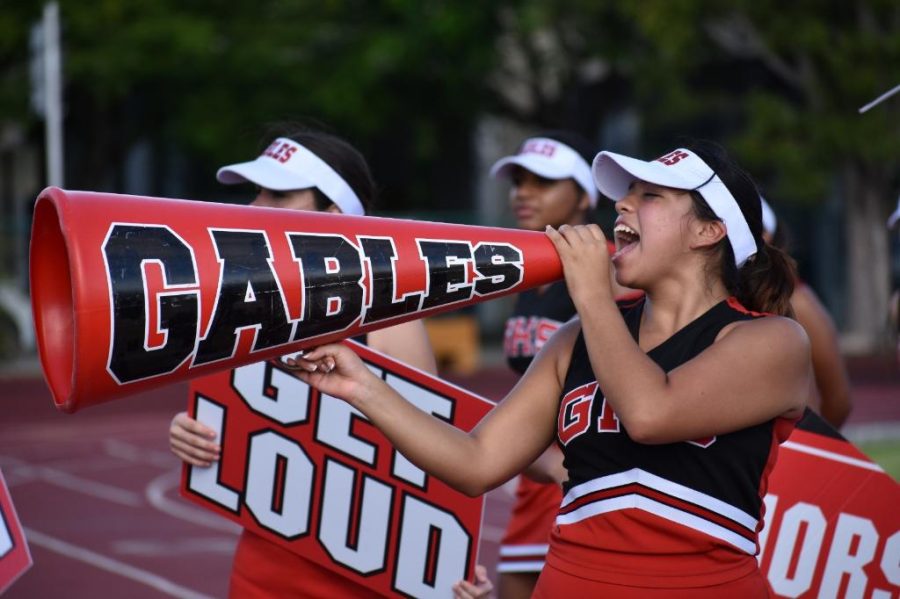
(133, 292)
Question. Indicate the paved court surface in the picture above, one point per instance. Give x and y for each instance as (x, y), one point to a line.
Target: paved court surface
(97, 491)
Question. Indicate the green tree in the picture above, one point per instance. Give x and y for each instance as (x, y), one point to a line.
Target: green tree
(559, 64)
(402, 79)
(784, 83)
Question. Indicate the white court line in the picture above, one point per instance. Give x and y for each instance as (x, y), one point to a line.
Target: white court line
(22, 472)
(166, 548)
(75, 465)
(872, 431)
(830, 455)
(135, 453)
(109, 564)
(156, 495)
(81, 485)
(14, 474)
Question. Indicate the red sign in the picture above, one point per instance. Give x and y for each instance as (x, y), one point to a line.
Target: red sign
(309, 472)
(15, 558)
(832, 520)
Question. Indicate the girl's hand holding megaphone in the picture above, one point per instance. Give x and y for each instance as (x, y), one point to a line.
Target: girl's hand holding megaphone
(335, 369)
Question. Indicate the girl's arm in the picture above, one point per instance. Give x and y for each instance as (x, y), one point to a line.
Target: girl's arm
(407, 342)
(509, 438)
(756, 370)
(548, 468)
(832, 381)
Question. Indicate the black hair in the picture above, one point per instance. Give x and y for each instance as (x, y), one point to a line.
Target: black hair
(766, 281)
(576, 141)
(337, 153)
(585, 149)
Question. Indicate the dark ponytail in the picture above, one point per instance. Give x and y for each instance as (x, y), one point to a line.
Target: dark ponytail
(766, 281)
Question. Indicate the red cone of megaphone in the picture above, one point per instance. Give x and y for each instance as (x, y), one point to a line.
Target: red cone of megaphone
(134, 292)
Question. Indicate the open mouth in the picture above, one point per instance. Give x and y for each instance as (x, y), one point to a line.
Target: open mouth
(626, 239)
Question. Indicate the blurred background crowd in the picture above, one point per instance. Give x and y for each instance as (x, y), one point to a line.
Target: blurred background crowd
(155, 95)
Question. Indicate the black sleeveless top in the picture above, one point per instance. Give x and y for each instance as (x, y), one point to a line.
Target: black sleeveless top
(727, 467)
(536, 316)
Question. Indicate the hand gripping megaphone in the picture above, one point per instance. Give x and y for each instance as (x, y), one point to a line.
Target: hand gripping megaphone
(131, 292)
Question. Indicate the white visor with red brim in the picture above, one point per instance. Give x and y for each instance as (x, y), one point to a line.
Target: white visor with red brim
(679, 169)
(550, 159)
(286, 166)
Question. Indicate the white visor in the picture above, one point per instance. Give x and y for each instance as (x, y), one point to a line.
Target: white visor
(679, 169)
(286, 165)
(894, 218)
(550, 159)
(769, 221)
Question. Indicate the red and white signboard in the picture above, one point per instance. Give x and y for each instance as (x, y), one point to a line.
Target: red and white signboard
(356, 505)
(15, 558)
(832, 520)
(832, 515)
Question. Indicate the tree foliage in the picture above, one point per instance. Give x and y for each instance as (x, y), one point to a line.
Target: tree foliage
(785, 82)
(205, 76)
(781, 82)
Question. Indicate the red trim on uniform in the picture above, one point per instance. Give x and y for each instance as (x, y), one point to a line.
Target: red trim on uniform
(674, 502)
(736, 305)
(557, 580)
(533, 557)
(265, 569)
(627, 300)
(533, 514)
(781, 430)
(630, 300)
